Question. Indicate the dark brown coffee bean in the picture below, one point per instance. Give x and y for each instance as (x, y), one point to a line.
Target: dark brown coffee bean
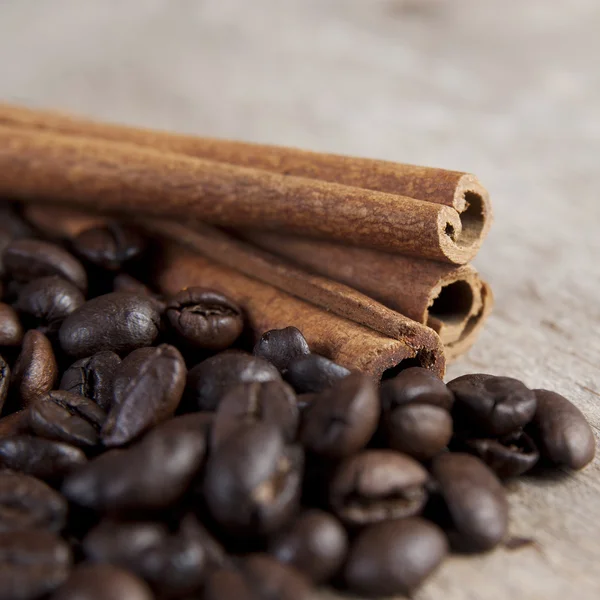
(419, 430)
(495, 405)
(394, 557)
(475, 499)
(14, 424)
(46, 302)
(377, 485)
(151, 395)
(131, 364)
(28, 503)
(71, 418)
(268, 578)
(46, 459)
(32, 563)
(120, 322)
(93, 378)
(280, 346)
(126, 283)
(35, 371)
(5, 378)
(252, 480)
(228, 583)
(209, 380)
(11, 331)
(416, 386)
(272, 402)
(562, 433)
(25, 260)
(316, 544)
(103, 582)
(341, 420)
(12, 227)
(313, 373)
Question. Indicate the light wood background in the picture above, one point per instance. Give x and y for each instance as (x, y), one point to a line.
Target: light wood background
(507, 89)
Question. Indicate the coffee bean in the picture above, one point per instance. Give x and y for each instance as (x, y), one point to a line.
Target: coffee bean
(316, 544)
(394, 557)
(562, 433)
(268, 578)
(35, 371)
(32, 563)
(314, 373)
(28, 503)
(272, 402)
(377, 485)
(71, 418)
(341, 420)
(103, 582)
(11, 331)
(209, 380)
(416, 385)
(495, 405)
(124, 282)
(12, 227)
(28, 259)
(419, 430)
(280, 346)
(228, 583)
(47, 459)
(93, 377)
(475, 499)
(4, 382)
(152, 394)
(252, 480)
(14, 424)
(46, 302)
(120, 322)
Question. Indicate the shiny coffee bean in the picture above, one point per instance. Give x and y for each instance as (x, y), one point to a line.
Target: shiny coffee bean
(153, 392)
(272, 402)
(341, 420)
(475, 500)
(209, 380)
(316, 544)
(93, 377)
(26, 260)
(71, 418)
(268, 578)
(32, 563)
(377, 485)
(494, 405)
(416, 386)
(131, 364)
(5, 378)
(28, 503)
(252, 481)
(35, 371)
(120, 322)
(11, 331)
(14, 424)
(280, 346)
(46, 302)
(561, 432)
(313, 373)
(394, 557)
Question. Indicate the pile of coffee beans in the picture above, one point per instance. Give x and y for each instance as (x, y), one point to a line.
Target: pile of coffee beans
(149, 450)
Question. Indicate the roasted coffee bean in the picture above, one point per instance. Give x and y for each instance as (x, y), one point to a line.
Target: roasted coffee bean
(228, 583)
(252, 480)
(209, 380)
(120, 322)
(377, 485)
(109, 246)
(494, 405)
(394, 557)
(271, 402)
(124, 282)
(268, 578)
(103, 582)
(14, 424)
(35, 371)
(153, 392)
(316, 544)
(25, 260)
(93, 377)
(12, 227)
(28, 503)
(32, 563)
(47, 459)
(11, 331)
(475, 499)
(341, 420)
(313, 373)
(419, 430)
(280, 346)
(416, 386)
(131, 364)
(46, 302)
(562, 433)
(4, 382)
(71, 418)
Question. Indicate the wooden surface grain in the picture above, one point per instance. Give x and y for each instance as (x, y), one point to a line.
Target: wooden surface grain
(506, 89)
